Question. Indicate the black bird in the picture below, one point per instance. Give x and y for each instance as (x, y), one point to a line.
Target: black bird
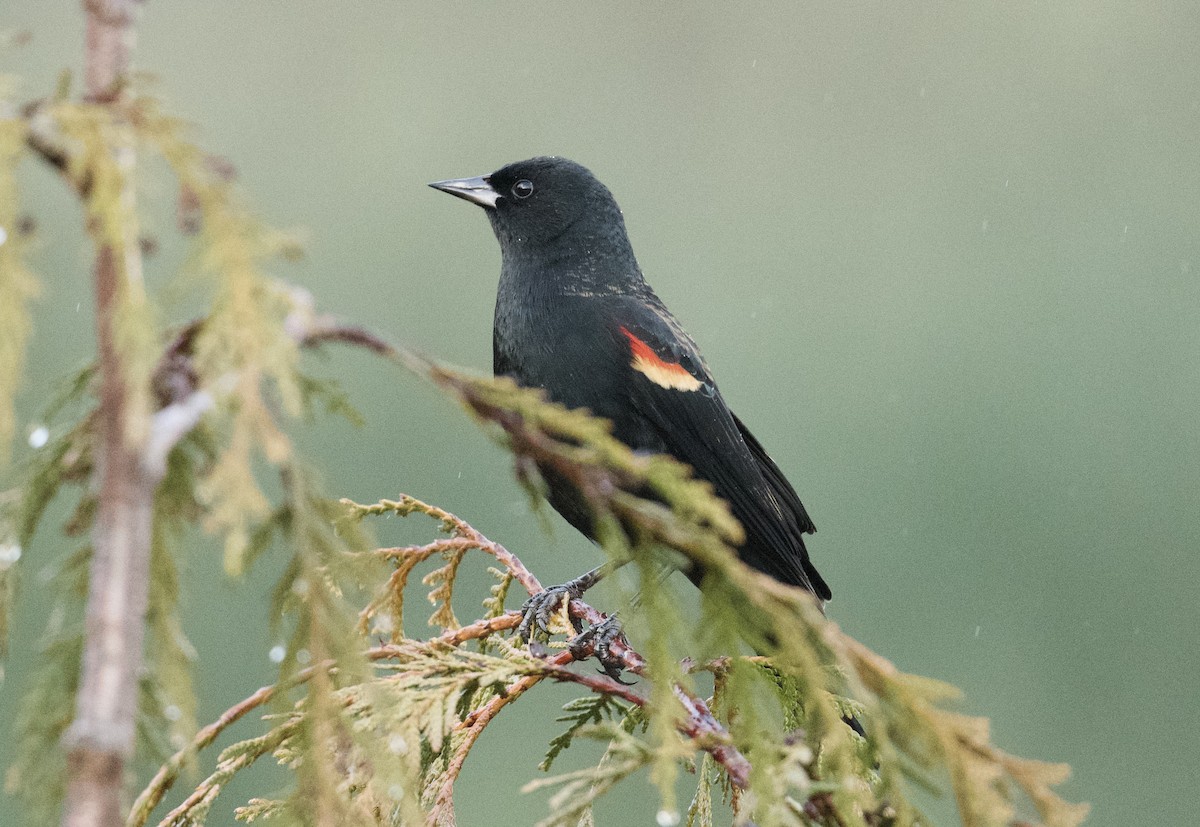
(575, 318)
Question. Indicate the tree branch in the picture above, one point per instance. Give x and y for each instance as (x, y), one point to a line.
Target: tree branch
(100, 739)
(110, 40)
(699, 723)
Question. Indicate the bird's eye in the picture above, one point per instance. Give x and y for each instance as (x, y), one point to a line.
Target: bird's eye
(523, 188)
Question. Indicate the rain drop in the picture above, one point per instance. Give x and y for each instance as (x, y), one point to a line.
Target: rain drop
(667, 818)
(276, 654)
(383, 625)
(9, 554)
(39, 436)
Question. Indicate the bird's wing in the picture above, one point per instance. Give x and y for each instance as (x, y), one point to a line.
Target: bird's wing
(670, 387)
(778, 482)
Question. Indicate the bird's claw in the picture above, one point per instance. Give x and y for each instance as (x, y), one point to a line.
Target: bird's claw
(599, 640)
(537, 611)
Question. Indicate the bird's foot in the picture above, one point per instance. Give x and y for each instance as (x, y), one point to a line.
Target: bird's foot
(537, 611)
(598, 641)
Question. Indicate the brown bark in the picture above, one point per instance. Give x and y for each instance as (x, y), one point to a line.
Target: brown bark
(110, 39)
(101, 738)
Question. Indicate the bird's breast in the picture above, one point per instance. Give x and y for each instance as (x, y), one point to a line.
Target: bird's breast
(563, 345)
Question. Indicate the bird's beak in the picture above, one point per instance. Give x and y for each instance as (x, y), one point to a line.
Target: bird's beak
(476, 190)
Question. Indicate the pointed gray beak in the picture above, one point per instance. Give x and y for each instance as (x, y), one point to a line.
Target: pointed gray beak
(476, 190)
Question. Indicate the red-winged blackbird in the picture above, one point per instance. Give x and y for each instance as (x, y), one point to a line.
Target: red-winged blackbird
(575, 317)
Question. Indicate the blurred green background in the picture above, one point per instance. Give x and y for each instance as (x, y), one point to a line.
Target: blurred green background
(943, 258)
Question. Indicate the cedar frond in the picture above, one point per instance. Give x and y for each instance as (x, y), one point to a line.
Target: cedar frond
(17, 284)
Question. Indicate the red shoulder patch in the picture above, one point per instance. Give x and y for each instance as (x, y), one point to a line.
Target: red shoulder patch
(671, 375)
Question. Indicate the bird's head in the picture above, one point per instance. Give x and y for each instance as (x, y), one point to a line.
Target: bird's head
(542, 203)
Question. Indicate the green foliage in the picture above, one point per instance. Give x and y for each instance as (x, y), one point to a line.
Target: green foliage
(195, 809)
(625, 755)
(171, 705)
(101, 160)
(329, 396)
(8, 590)
(167, 707)
(309, 597)
(38, 773)
(243, 357)
(700, 811)
(49, 701)
(582, 711)
(17, 284)
(386, 609)
(243, 351)
(65, 458)
(414, 718)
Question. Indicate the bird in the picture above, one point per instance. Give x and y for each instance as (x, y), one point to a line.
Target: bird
(576, 318)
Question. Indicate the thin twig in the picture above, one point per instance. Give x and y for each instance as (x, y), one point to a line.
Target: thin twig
(473, 726)
(168, 772)
(210, 788)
